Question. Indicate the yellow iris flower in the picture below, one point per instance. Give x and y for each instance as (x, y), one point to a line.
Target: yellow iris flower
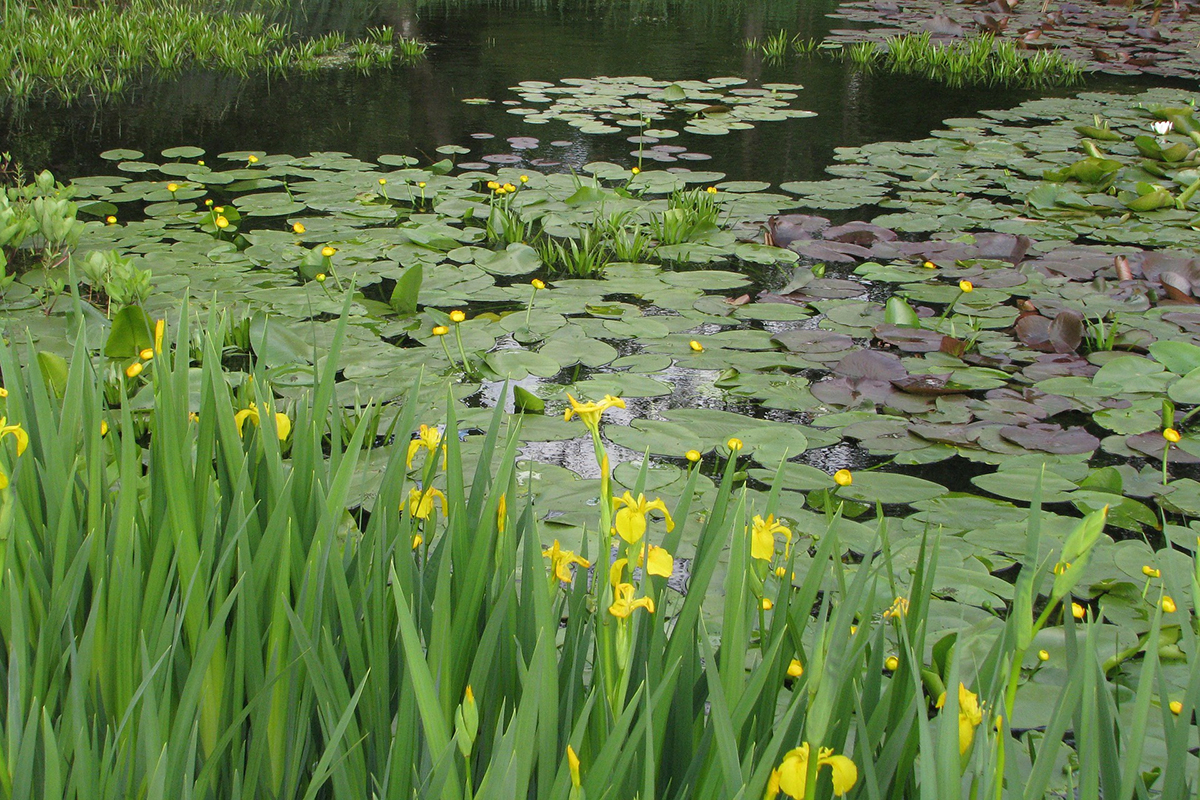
(561, 561)
(18, 433)
(427, 437)
(590, 412)
(762, 536)
(420, 504)
(623, 603)
(283, 425)
(630, 521)
(970, 714)
(792, 774)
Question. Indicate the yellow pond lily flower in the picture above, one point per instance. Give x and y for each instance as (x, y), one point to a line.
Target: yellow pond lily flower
(891, 663)
(457, 316)
(696, 346)
(630, 519)
(1168, 605)
(1171, 435)
(18, 433)
(561, 561)
(538, 283)
(762, 536)
(420, 504)
(298, 227)
(970, 714)
(795, 669)
(133, 370)
(428, 437)
(283, 425)
(172, 187)
(692, 456)
(1043, 655)
(1176, 707)
(590, 413)
(440, 330)
(1078, 611)
(966, 287)
(328, 251)
(793, 772)
(623, 603)
(221, 223)
(111, 219)
(843, 477)
(1151, 572)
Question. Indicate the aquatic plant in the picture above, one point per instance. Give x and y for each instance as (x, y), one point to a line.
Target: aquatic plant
(99, 49)
(982, 59)
(302, 636)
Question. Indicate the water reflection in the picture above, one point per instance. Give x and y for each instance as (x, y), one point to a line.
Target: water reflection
(480, 49)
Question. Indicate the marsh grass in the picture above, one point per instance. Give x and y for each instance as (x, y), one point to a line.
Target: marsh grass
(101, 49)
(980, 60)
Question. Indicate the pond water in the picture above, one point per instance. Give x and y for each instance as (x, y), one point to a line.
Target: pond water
(482, 48)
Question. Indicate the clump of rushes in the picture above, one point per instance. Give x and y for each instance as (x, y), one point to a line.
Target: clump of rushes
(99, 49)
(284, 641)
(978, 60)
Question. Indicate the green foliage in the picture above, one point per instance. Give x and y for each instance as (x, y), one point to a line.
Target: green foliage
(979, 60)
(101, 49)
(200, 601)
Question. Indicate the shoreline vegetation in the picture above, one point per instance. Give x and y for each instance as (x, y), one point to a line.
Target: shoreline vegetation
(58, 48)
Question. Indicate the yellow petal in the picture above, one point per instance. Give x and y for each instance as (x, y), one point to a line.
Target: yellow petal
(793, 772)
(240, 418)
(845, 773)
(659, 562)
(413, 446)
(659, 505)
(630, 524)
(283, 425)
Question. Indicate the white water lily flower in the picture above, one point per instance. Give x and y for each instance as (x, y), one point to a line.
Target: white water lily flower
(1162, 127)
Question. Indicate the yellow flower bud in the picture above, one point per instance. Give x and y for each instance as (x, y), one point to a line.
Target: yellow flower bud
(767, 605)
(219, 209)
(711, 190)
(929, 265)
(110, 219)
(1151, 572)
(966, 287)
(696, 346)
(253, 159)
(891, 663)
(221, 223)
(795, 669)
(843, 477)
(298, 227)
(1078, 611)
(1176, 707)
(327, 251)
(3, 392)
(1043, 655)
(103, 428)
(636, 171)
(1168, 605)
(734, 444)
(172, 187)
(440, 330)
(573, 767)
(320, 277)
(1171, 435)
(421, 184)
(537, 283)
(457, 316)
(692, 455)
(524, 179)
(146, 354)
(383, 181)
(133, 370)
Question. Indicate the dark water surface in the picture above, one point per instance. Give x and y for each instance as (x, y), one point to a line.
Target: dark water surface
(480, 49)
